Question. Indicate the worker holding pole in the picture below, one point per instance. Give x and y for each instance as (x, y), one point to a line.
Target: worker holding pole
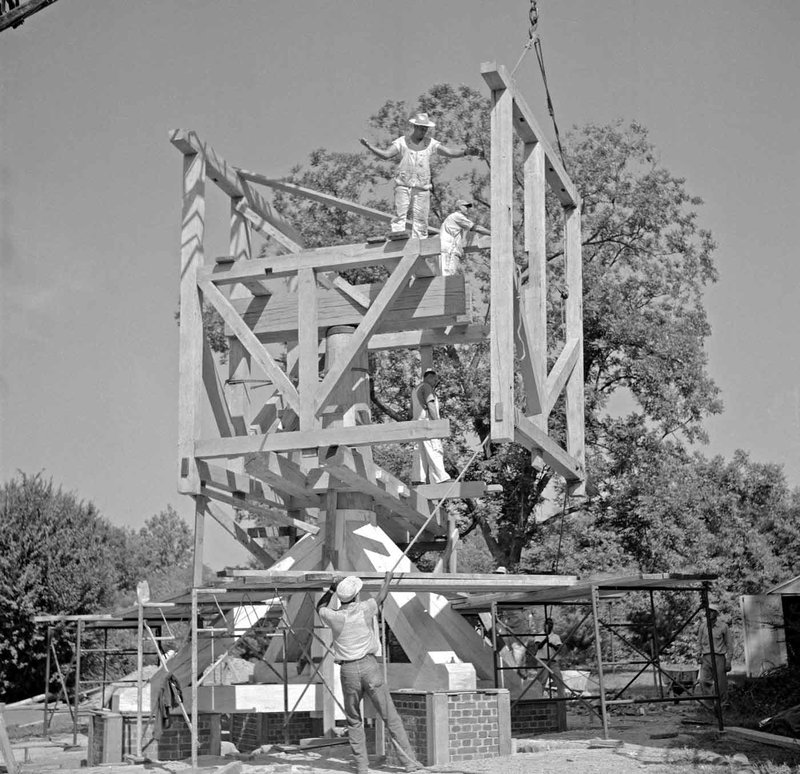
(355, 645)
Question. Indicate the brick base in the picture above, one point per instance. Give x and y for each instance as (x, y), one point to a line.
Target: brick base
(538, 716)
(449, 726)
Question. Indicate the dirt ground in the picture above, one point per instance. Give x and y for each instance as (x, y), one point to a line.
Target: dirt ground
(665, 738)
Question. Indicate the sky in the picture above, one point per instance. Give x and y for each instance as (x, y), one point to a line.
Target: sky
(90, 187)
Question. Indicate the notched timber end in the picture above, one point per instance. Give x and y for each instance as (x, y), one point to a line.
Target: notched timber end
(182, 140)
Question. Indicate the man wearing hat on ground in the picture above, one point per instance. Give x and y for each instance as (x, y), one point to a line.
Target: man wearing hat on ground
(722, 654)
(412, 181)
(428, 463)
(454, 228)
(355, 645)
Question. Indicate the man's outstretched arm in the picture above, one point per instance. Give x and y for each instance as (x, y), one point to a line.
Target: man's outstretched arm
(384, 592)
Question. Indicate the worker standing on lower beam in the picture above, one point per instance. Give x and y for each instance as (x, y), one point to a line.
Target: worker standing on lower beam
(412, 181)
(355, 645)
(428, 463)
(454, 228)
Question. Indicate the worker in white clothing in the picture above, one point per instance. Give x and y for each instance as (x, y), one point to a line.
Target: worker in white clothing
(412, 181)
(428, 464)
(454, 228)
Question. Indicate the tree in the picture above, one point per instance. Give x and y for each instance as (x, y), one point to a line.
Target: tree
(57, 556)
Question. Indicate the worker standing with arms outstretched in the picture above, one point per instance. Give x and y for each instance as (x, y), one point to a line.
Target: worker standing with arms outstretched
(412, 181)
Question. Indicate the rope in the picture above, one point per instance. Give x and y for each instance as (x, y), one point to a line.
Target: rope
(441, 501)
(535, 42)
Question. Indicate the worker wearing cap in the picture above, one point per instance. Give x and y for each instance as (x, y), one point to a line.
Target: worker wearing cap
(412, 180)
(428, 463)
(355, 646)
(721, 660)
(454, 228)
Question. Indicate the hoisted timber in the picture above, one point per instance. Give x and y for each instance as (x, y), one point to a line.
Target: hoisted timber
(292, 443)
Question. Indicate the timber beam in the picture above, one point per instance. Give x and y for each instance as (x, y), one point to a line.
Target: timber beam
(535, 439)
(338, 258)
(359, 435)
(251, 503)
(453, 334)
(463, 490)
(283, 475)
(527, 127)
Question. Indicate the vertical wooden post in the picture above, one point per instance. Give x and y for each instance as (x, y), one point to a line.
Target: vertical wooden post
(535, 292)
(308, 345)
(199, 540)
(46, 719)
(191, 320)
(574, 322)
(502, 268)
(139, 675)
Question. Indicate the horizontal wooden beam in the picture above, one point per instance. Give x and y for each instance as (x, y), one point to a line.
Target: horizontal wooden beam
(463, 490)
(529, 131)
(453, 334)
(427, 302)
(534, 439)
(360, 435)
(317, 196)
(337, 258)
(470, 583)
(226, 177)
(557, 378)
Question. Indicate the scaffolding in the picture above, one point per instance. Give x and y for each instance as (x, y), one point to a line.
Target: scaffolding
(591, 593)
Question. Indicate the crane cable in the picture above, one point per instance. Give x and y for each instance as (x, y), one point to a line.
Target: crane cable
(535, 42)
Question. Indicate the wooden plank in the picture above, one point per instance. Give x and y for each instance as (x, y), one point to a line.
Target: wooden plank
(455, 334)
(251, 343)
(25, 9)
(349, 469)
(531, 437)
(308, 344)
(249, 502)
(266, 229)
(502, 268)
(529, 131)
(360, 435)
(426, 303)
(574, 392)
(336, 258)
(535, 234)
(226, 178)
(190, 332)
(230, 525)
(560, 372)
(773, 740)
(372, 319)
(284, 476)
(403, 581)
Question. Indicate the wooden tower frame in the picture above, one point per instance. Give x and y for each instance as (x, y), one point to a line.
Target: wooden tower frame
(300, 455)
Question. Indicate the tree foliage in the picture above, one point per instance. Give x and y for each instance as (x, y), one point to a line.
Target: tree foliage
(59, 556)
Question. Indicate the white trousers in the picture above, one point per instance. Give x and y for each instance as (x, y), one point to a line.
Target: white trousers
(428, 463)
(419, 202)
